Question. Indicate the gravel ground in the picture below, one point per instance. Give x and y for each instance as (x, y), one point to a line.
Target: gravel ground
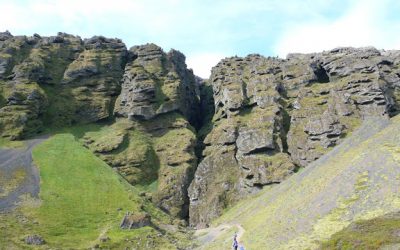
(12, 160)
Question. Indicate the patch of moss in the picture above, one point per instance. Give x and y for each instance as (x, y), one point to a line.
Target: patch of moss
(367, 234)
(127, 149)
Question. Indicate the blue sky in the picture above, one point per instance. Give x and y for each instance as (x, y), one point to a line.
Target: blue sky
(209, 30)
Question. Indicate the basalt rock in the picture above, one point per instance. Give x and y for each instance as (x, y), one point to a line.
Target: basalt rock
(135, 220)
(273, 116)
(156, 83)
(93, 78)
(198, 146)
(28, 66)
(153, 140)
(34, 240)
(57, 80)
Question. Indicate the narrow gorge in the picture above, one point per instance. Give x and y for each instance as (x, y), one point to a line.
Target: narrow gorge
(195, 147)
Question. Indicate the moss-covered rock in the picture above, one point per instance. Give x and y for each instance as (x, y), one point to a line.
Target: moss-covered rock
(156, 83)
(93, 78)
(282, 114)
(247, 137)
(79, 79)
(157, 155)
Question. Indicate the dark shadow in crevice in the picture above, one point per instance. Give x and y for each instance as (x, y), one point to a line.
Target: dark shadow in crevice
(320, 73)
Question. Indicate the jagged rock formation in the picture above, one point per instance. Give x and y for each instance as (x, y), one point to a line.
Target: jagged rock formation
(61, 80)
(93, 78)
(159, 98)
(157, 83)
(253, 123)
(273, 115)
(356, 181)
(57, 80)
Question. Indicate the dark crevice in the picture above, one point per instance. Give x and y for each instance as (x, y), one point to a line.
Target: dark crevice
(250, 176)
(206, 113)
(262, 185)
(320, 73)
(265, 150)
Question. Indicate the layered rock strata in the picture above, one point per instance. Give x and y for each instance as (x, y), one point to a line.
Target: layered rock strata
(273, 116)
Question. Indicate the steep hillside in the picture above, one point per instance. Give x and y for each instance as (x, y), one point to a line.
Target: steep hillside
(81, 204)
(357, 180)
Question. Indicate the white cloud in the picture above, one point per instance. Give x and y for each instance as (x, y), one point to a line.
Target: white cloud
(363, 25)
(202, 63)
(200, 28)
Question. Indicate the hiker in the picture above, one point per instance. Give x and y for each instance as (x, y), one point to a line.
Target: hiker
(241, 247)
(235, 244)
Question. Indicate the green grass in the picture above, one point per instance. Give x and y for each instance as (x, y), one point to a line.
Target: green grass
(80, 195)
(5, 143)
(81, 200)
(366, 234)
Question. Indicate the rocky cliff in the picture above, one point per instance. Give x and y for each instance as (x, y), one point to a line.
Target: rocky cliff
(57, 81)
(194, 146)
(273, 116)
(50, 82)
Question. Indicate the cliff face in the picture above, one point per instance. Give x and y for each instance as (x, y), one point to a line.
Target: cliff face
(273, 116)
(57, 80)
(195, 147)
(62, 80)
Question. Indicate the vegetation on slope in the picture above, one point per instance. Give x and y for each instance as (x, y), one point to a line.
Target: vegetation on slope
(82, 200)
(367, 234)
(358, 180)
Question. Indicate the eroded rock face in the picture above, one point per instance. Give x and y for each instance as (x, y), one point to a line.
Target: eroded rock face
(160, 95)
(245, 148)
(153, 142)
(63, 79)
(93, 78)
(156, 83)
(57, 80)
(28, 66)
(273, 115)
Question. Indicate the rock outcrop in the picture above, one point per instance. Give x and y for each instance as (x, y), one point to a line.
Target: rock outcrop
(153, 140)
(273, 116)
(93, 78)
(188, 142)
(156, 83)
(57, 80)
(135, 220)
(63, 80)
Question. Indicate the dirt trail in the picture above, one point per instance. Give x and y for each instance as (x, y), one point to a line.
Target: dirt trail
(240, 232)
(207, 235)
(18, 175)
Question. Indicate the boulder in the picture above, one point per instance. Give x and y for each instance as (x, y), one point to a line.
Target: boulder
(135, 220)
(34, 240)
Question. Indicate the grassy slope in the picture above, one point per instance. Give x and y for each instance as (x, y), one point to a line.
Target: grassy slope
(82, 198)
(357, 180)
(377, 233)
